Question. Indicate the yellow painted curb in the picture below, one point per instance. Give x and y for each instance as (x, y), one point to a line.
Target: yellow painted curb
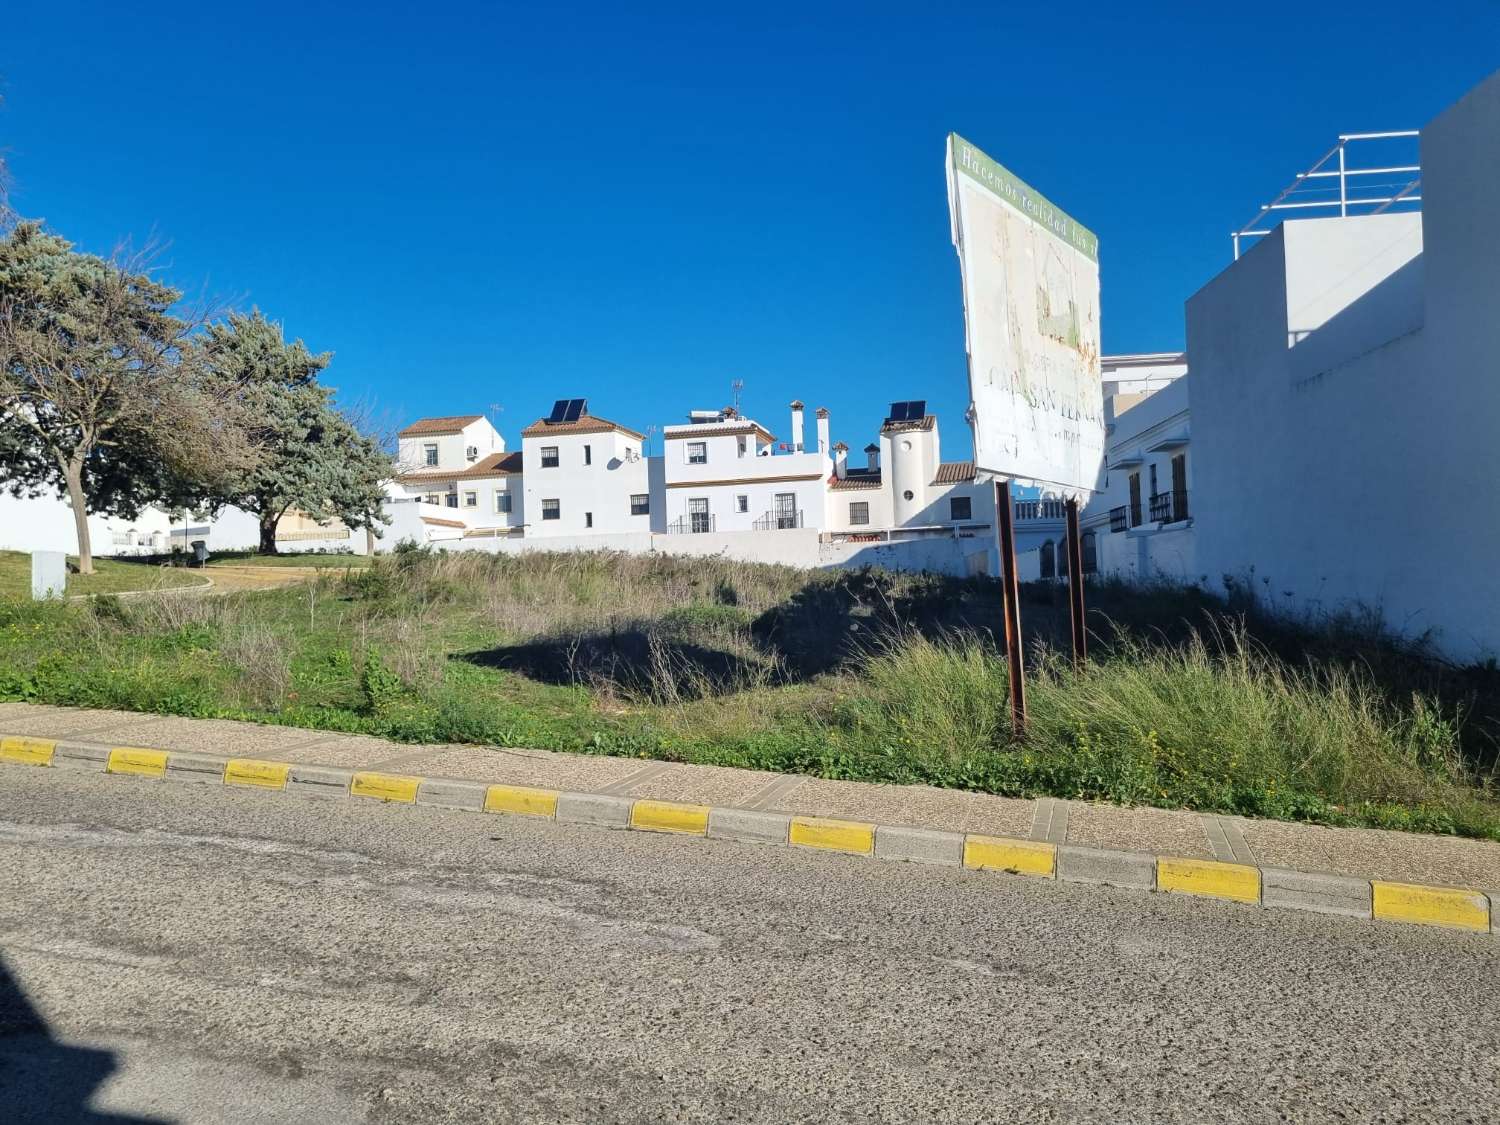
(520, 800)
(833, 835)
(1023, 857)
(385, 786)
(131, 759)
(670, 816)
(1237, 882)
(253, 771)
(27, 751)
(1431, 906)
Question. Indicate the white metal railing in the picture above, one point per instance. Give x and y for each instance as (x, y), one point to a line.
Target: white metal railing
(1345, 186)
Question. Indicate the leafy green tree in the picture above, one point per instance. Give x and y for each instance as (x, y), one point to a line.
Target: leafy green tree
(101, 395)
(313, 458)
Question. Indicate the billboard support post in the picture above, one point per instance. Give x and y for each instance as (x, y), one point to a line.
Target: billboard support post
(1074, 547)
(1010, 604)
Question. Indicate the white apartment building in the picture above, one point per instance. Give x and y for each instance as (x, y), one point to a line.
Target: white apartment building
(457, 471)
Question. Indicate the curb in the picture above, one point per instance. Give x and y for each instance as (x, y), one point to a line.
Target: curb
(1271, 887)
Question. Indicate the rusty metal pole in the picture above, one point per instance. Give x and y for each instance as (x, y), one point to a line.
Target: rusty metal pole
(1074, 547)
(1011, 605)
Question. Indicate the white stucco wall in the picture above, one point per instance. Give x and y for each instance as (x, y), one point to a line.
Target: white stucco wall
(1345, 399)
(593, 492)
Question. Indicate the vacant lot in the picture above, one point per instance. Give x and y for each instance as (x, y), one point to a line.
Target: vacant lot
(1189, 701)
(111, 576)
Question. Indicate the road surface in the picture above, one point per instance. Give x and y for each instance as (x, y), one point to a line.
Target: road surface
(201, 954)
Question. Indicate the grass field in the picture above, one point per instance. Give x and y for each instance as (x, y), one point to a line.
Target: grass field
(111, 576)
(1189, 701)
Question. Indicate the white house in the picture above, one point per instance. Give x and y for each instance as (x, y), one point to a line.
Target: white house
(457, 471)
(726, 473)
(585, 475)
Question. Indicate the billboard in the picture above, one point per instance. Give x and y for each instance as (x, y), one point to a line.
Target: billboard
(1031, 315)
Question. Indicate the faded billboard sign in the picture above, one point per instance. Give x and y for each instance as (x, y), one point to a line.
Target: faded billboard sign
(1031, 313)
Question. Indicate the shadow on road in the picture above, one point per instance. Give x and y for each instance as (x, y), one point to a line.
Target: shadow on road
(42, 1080)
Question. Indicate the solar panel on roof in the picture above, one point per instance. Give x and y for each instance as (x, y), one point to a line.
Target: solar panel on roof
(916, 410)
(575, 409)
(898, 412)
(559, 408)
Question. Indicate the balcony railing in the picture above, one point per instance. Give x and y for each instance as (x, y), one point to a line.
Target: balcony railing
(778, 521)
(694, 523)
(1040, 510)
(1169, 507)
(1119, 518)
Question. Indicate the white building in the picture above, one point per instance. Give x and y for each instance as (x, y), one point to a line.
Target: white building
(1139, 524)
(726, 473)
(584, 475)
(1346, 398)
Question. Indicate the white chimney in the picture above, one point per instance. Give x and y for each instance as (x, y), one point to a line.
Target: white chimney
(872, 451)
(840, 460)
(823, 430)
(796, 425)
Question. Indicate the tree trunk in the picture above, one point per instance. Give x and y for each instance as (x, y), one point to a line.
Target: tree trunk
(73, 474)
(268, 522)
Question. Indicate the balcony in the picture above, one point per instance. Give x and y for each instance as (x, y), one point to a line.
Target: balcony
(695, 523)
(778, 521)
(1041, 510)
(1119, 518)
(1169, 507)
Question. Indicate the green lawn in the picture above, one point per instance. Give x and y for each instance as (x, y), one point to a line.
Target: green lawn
(111, 576)
(861, 675)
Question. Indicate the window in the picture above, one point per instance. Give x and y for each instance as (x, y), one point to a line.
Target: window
(1135, 499)
(859, 512)
(698, 517)
(452, 499)
(471, 499)
(742, 503)
(744, 445)
(549, 456)
(1090, 553)
(588, 454)
(433, 498)
(960, 508)
(697, 453)
(1049, 560)
(429, 453)
(907, 495)
(551, 510)
(640, 504)
(588, 519)
(1179, 486)
(1153, 479)
(502, 500)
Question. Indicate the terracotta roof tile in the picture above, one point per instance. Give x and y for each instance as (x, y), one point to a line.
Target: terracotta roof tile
(495, 465)
(925, 423)
(587, 424)
(721, 431)
(435, 522)
(857, 480)
(431, 426)
(954, 472)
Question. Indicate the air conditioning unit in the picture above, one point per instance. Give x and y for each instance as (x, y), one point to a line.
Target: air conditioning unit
(472, 453)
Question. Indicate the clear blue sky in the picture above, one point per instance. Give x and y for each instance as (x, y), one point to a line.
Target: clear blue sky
(499, 203)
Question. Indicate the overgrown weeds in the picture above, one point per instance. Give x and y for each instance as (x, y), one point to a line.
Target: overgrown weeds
(1189, 701)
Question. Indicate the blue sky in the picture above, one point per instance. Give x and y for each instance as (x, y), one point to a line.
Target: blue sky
(476, 204)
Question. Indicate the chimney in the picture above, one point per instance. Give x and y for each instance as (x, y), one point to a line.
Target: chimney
(872, 451)
(796, 425)
(840, 460)
(823, 429)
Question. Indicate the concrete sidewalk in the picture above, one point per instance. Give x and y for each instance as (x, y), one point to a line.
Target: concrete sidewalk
(1359, 852)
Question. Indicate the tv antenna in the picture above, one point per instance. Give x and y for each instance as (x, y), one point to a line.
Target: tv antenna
(735, 387)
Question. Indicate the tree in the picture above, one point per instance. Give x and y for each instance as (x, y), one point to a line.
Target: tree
(313, 458)
(101, 394)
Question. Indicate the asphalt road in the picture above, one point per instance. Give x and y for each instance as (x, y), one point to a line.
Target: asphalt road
(196, 954)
